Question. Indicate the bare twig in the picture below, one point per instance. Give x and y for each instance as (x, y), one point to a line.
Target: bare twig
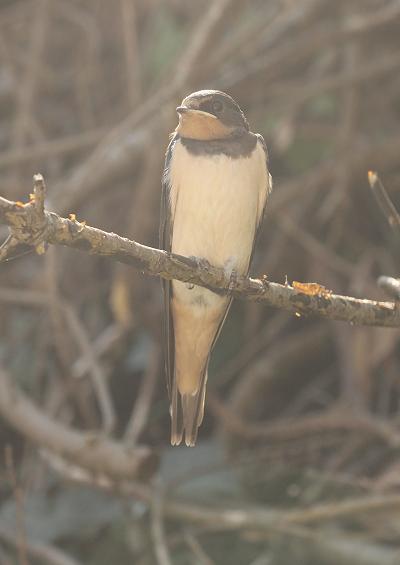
(157, 528)
(141, 409)
(28, 225)
(47, 554)
(228, 517)
(88, 362)
(384, 201)
(101, 345)
(120, 144)
(273, 521)
(10, 249)
(98, 377)
(90, 451)
(313, 246)
(131, 51)
(197, 550)
(52, 148)
(20, 537)
(389, 284)
(26, 94)
(315, 424)
(336, 84)
(343, 508)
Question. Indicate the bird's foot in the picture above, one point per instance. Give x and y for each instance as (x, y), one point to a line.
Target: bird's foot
(202, 263)
(233, 277)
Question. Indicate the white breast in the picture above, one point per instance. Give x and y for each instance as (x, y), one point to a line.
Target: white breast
(216, 202)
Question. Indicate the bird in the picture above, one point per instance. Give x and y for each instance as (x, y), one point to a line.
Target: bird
(215, 187)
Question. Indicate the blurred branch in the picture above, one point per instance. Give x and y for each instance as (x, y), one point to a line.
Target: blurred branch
(47, 554)
(30, 224)
(157, 527)
(141, 408)
(20, 534)
(95, 369)
(90, 451)
(384, 201)
(290, 524)
(131, 51)
(28, 90)
(281, 430)
(299, 395)
(389, 284)
(89, 362)
(120, 145)
(261, 519)
(11, 248)
(197, 550)
(108, 338)
(52, 148)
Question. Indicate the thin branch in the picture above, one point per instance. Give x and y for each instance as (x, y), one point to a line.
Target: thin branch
(389, 284)
(29, 225)
(98, 376)
(131, 51)
(47, 554)
(103, 343)
(93, 452)
(291, 523)
(54, 147)
(343, 509)
(89, 361)
(384, 201)
(32, 63)
(157, 528)
(228, 517)
(8, 249)
(141, 409)
(20, 535)
(197, 550)
(120, 144)
(335, 421)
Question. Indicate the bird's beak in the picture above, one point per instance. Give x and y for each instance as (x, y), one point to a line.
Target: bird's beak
(185, 110)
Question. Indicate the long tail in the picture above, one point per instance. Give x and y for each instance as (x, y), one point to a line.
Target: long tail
(196, 329)
(187, 411)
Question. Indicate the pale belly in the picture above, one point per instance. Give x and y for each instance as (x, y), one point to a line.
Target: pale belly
(215, 212)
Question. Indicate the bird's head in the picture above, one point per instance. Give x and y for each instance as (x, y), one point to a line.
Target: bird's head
(210, 114)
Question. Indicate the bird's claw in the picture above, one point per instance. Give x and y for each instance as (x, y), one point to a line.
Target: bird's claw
(233, 277)
(202, 263)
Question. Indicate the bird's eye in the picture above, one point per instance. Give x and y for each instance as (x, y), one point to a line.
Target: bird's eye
(217, 106)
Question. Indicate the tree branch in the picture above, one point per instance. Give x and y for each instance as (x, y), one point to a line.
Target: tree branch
(384, 201)
(31, 224)
(46, 553)
(95, 453)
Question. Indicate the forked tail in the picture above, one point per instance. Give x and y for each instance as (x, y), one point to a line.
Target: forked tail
(187, 411)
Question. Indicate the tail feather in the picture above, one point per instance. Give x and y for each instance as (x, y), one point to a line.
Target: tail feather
(176, 416)
(187, 411)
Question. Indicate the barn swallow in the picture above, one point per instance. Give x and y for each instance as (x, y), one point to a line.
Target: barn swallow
(215, 188)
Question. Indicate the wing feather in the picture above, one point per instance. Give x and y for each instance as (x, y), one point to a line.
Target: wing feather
(263, 197)
(165, 235)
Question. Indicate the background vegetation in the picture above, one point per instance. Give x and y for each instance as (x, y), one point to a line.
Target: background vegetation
(298, 456)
